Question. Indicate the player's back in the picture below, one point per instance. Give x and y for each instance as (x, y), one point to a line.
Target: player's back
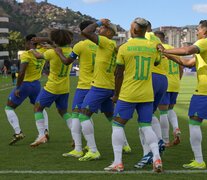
(172, 72)
(86, 50)
(138, 56)
(58, 79)
(105, 63)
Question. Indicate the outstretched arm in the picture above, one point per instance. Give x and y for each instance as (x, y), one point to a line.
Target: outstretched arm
(180, 51)
(184, 62)
(89, 31)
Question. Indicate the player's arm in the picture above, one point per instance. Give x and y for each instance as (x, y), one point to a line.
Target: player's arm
(180, 51)
(65, 60)
(89, 31)
(182, 61)
(20, 78)
(37, 54)
(40, 40)
(119, 76)
(181, 71)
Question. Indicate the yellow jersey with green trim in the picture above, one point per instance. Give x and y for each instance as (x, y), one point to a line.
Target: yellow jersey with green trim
(172, 72)
(105, 63)
(159, 69)
(58, 79)
(138, 56)
(86, 50)
(201, 67)
(34, 69)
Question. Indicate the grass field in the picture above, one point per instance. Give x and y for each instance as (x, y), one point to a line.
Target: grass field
(17, 160)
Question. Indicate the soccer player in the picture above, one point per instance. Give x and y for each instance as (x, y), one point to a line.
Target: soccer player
(167, 114)
(99, 96)
(58, 85)
(159, 89)
(14, 70)
(197, 110)
(86, 51)
(133, 89)
(28, 85)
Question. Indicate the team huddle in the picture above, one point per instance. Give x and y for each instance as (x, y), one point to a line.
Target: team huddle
(142, 74)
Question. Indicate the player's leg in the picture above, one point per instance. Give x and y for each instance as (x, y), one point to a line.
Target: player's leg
(44, 99)
(197, 112)
(164, 122)
(76, 125)
(91, 104)
(173, 118)
(12, 103)
(108, 108)
(123, 112)
(145, 117)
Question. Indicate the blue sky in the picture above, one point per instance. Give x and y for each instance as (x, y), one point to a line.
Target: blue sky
(160, 12)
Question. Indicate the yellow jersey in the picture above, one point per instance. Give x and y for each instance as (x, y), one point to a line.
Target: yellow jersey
(159, 69)
(58, 79)
(86, 50)
(34, 68)
(172, 72)
(138, 56)
(201, 67)
(105, 63)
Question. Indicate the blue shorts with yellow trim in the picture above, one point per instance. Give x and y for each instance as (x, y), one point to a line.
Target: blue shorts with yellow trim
(169, 98)
(159, 82)
(27, 89)
(45, 99)
(99, 99)
(125, 110)
(198, 106)
(79, 97)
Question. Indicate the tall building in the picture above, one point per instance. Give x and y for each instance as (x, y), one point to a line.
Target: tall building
(176, 36)
(4, 54)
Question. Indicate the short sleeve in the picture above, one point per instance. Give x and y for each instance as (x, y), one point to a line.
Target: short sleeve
(77, 48)
(105, 42)
(201, 44)
(47, 55)
(120, 57)
(24, 58)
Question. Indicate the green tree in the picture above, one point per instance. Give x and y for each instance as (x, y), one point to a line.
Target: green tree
(16, 43)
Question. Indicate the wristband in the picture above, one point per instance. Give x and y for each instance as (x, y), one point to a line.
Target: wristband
(99, 23)
(73, 55)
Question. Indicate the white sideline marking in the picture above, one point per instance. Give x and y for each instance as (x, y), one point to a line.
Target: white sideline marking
(99, 172)
(7, 88)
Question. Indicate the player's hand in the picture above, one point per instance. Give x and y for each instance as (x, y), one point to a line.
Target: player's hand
(105, 22)
(16, 93)
(114, 99)
(160, 48)
(58, 50)
(36, 39)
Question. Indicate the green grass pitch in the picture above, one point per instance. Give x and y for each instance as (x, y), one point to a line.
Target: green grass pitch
(48, 157)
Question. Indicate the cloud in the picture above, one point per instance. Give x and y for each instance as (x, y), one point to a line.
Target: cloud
(200, 8)
(93, 1)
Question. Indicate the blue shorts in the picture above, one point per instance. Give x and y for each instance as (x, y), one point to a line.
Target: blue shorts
(27, 89)
(169, 98)
(99, 99)
(198, 106)
(78, 98)
(45, 99)
(160, 84)
(125, 110)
